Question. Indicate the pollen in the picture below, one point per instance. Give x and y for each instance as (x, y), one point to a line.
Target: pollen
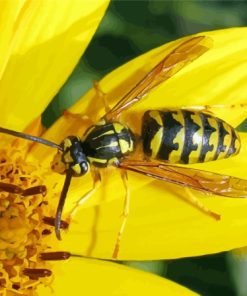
(25, 227)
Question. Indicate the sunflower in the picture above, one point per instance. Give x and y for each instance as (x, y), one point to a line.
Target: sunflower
(42, 42)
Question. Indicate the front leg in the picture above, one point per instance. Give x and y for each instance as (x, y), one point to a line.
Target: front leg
(96, 183)
(82, 119)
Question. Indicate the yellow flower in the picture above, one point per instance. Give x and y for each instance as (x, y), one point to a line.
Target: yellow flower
(41, 43)
(161, 224)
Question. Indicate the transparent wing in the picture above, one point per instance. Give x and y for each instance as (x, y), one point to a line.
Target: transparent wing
(176, 60)
(197, 179)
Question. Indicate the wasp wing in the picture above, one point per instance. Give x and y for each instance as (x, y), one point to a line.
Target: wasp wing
(205, 181)
(176, 60)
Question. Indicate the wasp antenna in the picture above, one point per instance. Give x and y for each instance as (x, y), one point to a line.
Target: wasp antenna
(90, 258)
(30, 138)
(61, 203)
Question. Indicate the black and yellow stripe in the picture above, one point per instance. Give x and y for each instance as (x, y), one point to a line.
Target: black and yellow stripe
(71, 156)
(107, 143)
(184, 136)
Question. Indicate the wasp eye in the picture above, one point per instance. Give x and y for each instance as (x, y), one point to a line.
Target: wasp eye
(84, 167)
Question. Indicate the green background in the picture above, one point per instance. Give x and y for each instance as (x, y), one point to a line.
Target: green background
(129, 29)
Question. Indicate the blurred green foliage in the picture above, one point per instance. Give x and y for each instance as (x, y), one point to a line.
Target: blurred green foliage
(129, 29)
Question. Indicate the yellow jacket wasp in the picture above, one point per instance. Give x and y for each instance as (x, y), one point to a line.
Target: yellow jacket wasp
(167, 138)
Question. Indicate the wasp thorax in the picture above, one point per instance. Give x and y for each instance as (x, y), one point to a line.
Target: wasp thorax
(70, 157)
(107, 143)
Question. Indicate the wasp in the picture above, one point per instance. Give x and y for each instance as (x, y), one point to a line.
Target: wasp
(167, 138)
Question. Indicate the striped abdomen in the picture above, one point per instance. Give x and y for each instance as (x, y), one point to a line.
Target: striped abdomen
(183, 136)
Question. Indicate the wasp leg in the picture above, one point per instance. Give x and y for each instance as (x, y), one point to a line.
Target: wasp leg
(85, 119)
(96, 183)
(194, 201)
(102, 95)
(125, 214)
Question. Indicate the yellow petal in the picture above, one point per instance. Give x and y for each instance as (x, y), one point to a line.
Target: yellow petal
(217, 77)
(44, 41)
(7, 25)
(92, 277)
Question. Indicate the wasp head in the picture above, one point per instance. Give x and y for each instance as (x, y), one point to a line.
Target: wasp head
(71, 156)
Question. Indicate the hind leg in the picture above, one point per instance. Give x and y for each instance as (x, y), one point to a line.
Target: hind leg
(125, 214)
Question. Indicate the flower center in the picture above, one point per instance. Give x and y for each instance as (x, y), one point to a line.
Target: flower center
(25, 226)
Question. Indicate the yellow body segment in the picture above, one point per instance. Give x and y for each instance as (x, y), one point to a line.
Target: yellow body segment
(118, 127)
(196, 139)
(179, 139)
(227, 139)
(213, 139)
